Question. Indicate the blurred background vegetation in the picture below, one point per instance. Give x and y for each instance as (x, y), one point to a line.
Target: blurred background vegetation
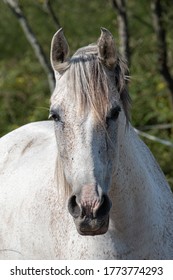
(24, 87)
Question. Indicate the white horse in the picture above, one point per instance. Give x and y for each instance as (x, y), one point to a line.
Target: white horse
(94, 191)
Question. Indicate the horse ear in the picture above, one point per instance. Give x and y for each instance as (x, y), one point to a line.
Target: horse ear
(59, 49)
(106, 48)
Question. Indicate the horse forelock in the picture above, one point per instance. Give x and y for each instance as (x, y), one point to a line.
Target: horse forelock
(91, 82)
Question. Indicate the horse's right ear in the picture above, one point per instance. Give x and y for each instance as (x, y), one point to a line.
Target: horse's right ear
(59, 49)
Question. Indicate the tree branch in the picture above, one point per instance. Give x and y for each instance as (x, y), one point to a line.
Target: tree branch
(153, 138)
(157, 15)
(39, 52)
(120, 7)
(48, 6)
(156, 126)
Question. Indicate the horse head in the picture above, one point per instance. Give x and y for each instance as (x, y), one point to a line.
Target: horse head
(90, 110)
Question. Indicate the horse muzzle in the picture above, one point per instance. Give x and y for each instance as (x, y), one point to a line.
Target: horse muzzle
(90, 218)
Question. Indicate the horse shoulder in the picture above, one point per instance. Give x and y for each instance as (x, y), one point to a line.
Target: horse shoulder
(28, 192)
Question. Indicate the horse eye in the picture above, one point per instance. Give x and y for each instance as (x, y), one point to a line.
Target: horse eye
(55, 117)
(114, 113)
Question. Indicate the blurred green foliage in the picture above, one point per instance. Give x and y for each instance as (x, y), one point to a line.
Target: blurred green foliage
(24, 91)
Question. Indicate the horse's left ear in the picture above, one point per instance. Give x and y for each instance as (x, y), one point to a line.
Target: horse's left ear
(59, 49)
(106, 48)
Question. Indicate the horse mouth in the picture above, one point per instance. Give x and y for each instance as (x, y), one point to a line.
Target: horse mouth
(98, 228)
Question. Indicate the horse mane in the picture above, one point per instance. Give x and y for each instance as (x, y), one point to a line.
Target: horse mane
(92, 83)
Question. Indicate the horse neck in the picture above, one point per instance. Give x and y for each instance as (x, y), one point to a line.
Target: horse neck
(138, 188)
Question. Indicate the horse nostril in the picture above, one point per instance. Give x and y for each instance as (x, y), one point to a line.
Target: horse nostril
(73, 207)
(104, 207)
(76, 211)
